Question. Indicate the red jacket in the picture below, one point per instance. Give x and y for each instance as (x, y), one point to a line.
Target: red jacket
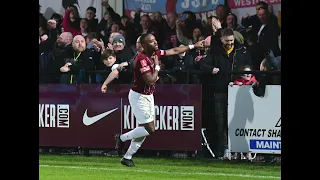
(245, 82)
(66, 27)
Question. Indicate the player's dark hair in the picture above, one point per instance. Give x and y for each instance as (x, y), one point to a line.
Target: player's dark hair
(142, 38)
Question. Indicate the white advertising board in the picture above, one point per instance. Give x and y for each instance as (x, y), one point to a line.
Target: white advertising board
(254, 122)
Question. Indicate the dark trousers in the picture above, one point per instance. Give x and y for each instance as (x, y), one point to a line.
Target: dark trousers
(220, 123)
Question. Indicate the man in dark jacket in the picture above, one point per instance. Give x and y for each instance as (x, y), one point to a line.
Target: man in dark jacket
(255, 50)
(254, 21)
(46, 51)
(77, 62)
(63, 45)
(123, 53)
(225, 55)
(265, 24)
(93, 23)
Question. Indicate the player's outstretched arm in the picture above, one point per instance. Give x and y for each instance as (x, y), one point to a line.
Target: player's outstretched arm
(182, 49)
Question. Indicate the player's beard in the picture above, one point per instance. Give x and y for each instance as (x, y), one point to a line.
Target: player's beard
(155, 47)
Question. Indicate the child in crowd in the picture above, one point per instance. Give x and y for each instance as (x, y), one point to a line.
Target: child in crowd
(245, 79)
(109, 59)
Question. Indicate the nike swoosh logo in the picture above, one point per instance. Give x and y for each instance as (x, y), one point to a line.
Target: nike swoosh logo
(90, 120)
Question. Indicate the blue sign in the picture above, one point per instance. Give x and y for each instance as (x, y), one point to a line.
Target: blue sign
(265, 144)
(178, 6)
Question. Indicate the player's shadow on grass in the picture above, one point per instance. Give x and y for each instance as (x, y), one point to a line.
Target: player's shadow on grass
(243, 113)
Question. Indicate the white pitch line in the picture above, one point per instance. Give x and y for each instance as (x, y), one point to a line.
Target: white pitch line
(163, 172)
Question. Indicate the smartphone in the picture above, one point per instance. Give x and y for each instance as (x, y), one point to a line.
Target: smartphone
(183, 17)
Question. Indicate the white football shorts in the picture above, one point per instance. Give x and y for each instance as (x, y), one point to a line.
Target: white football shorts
(142, 107)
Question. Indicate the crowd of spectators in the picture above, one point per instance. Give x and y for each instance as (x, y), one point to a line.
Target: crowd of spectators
(58, 43)
(70, 47)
